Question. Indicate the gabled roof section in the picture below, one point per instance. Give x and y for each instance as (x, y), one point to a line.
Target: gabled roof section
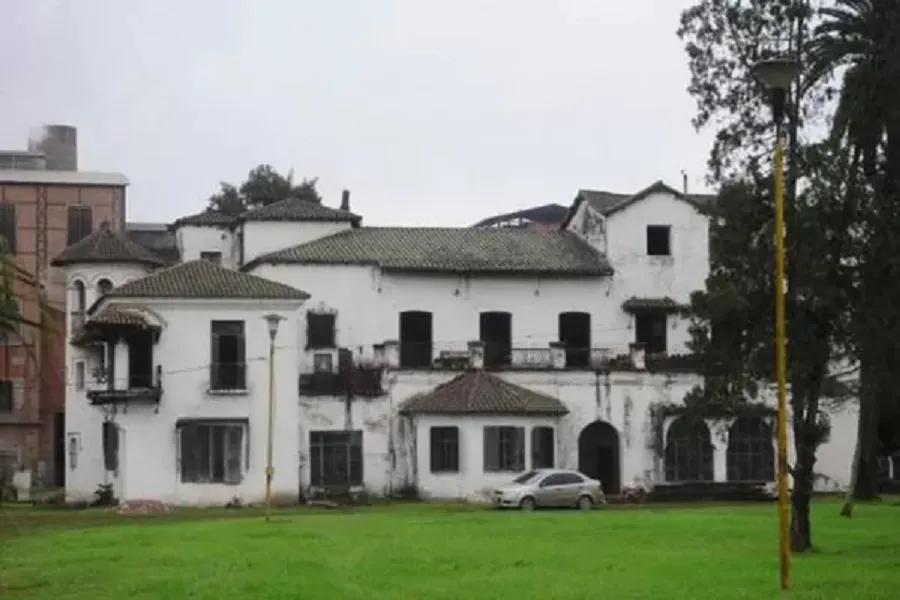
(106, 246)
(206, 218)
(202, 279)
(298, 210)
(607, 203)
(480, 392)
(449, 250)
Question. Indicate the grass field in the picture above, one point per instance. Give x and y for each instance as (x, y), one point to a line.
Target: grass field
(429, 552)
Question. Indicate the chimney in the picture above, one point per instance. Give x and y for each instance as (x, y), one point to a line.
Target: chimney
(345, 200)
(684, 183)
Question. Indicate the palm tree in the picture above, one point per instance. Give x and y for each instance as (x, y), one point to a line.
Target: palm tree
(862, 37)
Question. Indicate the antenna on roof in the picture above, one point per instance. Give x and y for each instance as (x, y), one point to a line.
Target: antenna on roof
(684, 182)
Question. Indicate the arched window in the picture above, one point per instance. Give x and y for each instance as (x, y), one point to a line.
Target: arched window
(103, 286)
(689, 451)
(751, 450)
(80, 296)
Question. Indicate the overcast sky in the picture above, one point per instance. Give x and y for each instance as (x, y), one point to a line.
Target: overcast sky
(430, 112)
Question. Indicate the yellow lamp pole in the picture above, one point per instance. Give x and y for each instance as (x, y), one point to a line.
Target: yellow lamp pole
(778, 75)
(272, 321)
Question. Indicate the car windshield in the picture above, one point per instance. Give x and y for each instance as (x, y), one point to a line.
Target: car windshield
(526, 477)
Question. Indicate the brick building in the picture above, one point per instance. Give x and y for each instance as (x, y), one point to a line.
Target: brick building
(42, 211)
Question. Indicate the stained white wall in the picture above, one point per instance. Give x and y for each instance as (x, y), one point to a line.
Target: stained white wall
(262, 237)
(148, 442)
(193, 240)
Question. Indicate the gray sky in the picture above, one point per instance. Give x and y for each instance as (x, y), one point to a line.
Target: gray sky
(430, 112)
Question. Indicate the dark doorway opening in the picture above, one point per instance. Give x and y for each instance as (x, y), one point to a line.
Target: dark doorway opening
(495, 330)
(416, 339)
(575, 333)
(140, 360)
(598, 455)
(59, 448)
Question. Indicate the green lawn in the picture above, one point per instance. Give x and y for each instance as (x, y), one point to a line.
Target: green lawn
(425, 552)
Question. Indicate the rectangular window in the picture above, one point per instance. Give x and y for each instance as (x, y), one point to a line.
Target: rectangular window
(650, 330)
(504, 449)
(79, 375)
(228, 368)
(543, 448)
(213, 257)
(7, 396)
(212, 452)
(659, 240)
(320, 330)
(335, 459)
(445, 450)
(8, 226)
(81, 223)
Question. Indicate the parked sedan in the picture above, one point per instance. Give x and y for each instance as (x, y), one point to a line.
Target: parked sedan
(549, 487)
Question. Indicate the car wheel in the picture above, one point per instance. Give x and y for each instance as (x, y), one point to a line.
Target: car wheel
(584, 503)
(527, 503)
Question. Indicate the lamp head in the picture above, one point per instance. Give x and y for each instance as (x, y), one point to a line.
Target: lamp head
(777, 73)
(272, 321)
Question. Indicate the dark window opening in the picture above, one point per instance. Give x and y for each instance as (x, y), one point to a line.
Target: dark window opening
(320, 330)
(504, 449)
(7, 396)
(212, 453)
(650, 330)
(659, 240)
(336, 459)
(895, 467)
(104, 286)
(81, 223)
(228, 370)
(445, 450)
(575, 333)
(8, 227)
(751, 450)
(689, 451)
(416, 339)
(80, 297)
(495, 331)
(543, 448)
(140, 360)
(110, 446)
(213, 257)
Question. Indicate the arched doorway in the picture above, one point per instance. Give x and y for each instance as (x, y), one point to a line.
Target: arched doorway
(751, 450)
(598, 455)
(689, 450)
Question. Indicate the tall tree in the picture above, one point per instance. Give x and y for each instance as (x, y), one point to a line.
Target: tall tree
(724, 39)
(263, 185)
(862, 37)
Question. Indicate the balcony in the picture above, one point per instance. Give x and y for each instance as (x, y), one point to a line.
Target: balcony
(422, 356)
(140, 387)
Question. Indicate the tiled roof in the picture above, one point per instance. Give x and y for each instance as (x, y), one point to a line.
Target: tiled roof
(298, 209)
(207, 218)
(204, 279)
(112, 316)
(607, 203)
(156, 238)
(455, 250)
(634, 303)
(106, 246)
(480, 392)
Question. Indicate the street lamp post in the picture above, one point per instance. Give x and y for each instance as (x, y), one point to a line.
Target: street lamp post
(272, 321)
(778, 75)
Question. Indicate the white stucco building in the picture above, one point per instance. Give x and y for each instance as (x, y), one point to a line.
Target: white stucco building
(434, 360)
